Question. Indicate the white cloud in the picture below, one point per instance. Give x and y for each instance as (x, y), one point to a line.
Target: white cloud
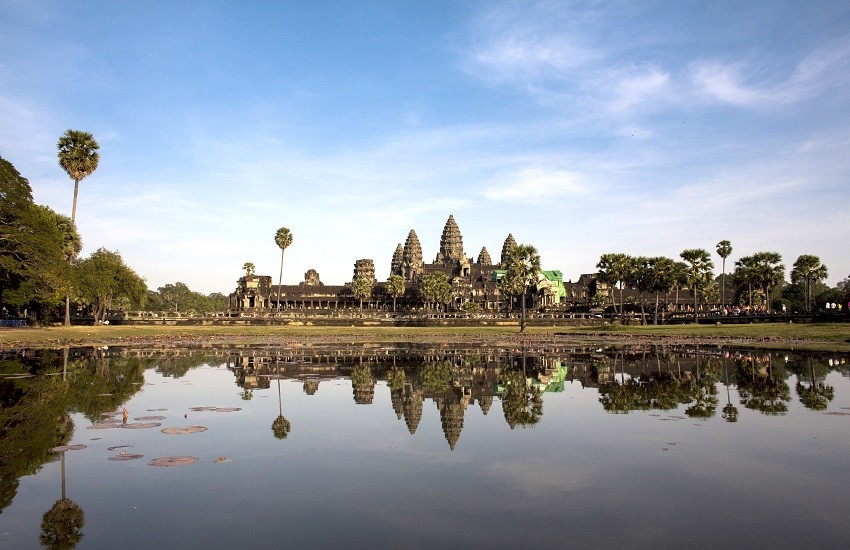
(535, 185)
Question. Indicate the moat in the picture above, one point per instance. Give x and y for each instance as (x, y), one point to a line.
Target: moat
(424, 446)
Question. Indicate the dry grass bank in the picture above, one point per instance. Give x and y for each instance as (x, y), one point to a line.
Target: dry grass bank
(831, 337)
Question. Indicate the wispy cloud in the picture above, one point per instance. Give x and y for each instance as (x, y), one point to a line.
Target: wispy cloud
(739, 82)
(535, 185)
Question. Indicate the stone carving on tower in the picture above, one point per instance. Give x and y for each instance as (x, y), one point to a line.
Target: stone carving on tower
(364, 269)
(311, 278)
(451, 243)
(510, 244)
(412, 264)
(484, 257)
(398, 259)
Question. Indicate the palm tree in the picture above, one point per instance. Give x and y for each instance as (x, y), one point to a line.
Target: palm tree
(395, 287)
(662, 278)
(522, 269)
(61, 526)
(78, 156)
(361, 288)
(71, 246)
(808, 269)
(769, 273)
(699, 264)
(724, 248)
(281, 425)
(612, 270)
(249, 268)
(283, 239)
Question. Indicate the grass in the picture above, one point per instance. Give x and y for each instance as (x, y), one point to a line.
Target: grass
(821, 336)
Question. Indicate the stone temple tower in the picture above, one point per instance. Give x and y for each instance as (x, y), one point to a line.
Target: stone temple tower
(451, 243)
(484, 257)
(397, 262)
(364, 269)
(412, 264)
(507, 248)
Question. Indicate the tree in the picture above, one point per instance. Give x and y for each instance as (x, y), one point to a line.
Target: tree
(724, 249)
(434, 288)
(249, 268)
(808, 269)
(663, 273)
(283, 239)
(35, 243)
(699, 264)
(361, 288)
(395, 287)
(522, 270)
(104, 276)
(78, 156)
(768, 272)
(612, 270)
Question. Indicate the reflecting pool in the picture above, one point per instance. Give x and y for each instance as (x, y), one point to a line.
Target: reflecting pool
(417, 446)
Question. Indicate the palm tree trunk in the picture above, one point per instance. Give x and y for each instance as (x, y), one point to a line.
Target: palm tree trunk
(522, 316)
(723, 290)
(67, 310)
(280, 279)
(696, 320)
(74, 207)
(656, 309)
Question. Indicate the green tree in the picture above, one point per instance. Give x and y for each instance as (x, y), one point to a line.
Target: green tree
(699, 264)
(361, 289)
(769, 273)
(662, 278)
(175, 295)
(434, 288)
(35, 243)
(724, 249)
(612, 270)
(395, 287)
(249, 268)
(808, 269)
(283, 239)
(104, 276)
(522, 270)
(78, 156)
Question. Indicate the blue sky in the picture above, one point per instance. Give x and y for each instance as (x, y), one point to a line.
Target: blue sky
(579, 127)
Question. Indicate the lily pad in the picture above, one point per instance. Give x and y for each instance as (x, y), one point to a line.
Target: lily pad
(221, 459)
(173, 461)
(186, 430)
(157, 410)
(141, 425)
(125, 456)
(149, 418)
(226, 409)
(63, 448)
(105, 425)
(117, 447)
(199, 409)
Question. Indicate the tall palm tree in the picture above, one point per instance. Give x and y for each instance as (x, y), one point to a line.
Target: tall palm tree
(249, 268)
(283, 239)
(724, 248)
(612, 270)
(808, 269)
(280, 426)
(78, 156)
(522, 269)
(61, 526)
(770, 272)
(395, 287)
(699, 263)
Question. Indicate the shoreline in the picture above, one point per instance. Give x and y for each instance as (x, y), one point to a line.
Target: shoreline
(814, 337)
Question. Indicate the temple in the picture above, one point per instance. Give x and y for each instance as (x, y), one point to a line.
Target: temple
(473, 281)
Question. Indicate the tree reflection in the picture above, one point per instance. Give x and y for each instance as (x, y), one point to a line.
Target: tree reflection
(760, 388)
(61, 526)
(280, 425)
(730, 411)
(815, 394)
(522, 403)
(702, 389)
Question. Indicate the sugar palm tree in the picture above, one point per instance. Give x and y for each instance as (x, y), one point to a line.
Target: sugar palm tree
(769, 272)
(78, 156)
(61, 526)
(522, 269)
(395, 287)
(280, 426)
(724, 248)
(699, 263)
(283, 239)
(808, 269)
(249, 268)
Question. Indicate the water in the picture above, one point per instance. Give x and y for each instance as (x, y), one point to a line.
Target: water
(416, 447)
